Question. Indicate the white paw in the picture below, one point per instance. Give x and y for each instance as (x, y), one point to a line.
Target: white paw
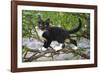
(43, 49)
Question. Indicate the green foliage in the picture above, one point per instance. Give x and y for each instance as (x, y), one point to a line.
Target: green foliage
(63, 19)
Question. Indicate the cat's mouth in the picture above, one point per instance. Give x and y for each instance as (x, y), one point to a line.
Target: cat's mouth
(43, 29)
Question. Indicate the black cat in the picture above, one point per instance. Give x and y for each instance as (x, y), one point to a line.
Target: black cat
(56, 33)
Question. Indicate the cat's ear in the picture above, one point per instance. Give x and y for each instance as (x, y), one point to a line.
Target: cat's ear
(39, 18)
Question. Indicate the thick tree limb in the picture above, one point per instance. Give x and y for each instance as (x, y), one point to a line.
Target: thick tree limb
(34, 57)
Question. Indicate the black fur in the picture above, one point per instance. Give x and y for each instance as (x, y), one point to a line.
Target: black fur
(76, 29)
(56, 33)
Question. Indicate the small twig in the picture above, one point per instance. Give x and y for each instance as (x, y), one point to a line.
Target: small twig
(52, 56)
(25, 54)
(30, 59)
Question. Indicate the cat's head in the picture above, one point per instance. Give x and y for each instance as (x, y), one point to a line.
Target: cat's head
(43, 24)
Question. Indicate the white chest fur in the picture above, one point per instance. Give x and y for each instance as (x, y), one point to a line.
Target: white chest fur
(39, 32)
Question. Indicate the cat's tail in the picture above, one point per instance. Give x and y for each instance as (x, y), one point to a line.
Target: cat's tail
(77, 28)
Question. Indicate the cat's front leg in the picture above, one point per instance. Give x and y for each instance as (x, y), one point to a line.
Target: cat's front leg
(47, 44)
